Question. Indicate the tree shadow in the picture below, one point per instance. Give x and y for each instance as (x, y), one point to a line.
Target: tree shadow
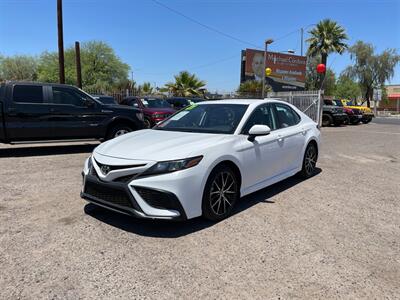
(172, 229)
(46, 150)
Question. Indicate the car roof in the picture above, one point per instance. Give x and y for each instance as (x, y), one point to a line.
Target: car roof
(241, 101)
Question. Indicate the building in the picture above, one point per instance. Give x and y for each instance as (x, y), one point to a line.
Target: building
(393, 98)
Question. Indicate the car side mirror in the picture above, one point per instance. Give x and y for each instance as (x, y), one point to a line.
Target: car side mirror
(258, 130)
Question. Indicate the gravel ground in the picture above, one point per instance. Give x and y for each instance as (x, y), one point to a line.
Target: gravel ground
(336, 235)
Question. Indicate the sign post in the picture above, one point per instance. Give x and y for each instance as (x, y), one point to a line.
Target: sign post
(377, 96)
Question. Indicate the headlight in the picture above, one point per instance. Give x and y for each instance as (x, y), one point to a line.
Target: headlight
(139, 115)
(173, 165)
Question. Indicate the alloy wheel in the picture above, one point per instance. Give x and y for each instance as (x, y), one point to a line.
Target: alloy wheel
(310, 159)
(223, 192)
(120, 132)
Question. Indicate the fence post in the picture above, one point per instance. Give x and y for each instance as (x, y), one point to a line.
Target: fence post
(320, 107)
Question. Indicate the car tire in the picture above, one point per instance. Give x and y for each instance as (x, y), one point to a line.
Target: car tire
(326, 120)
(346, 121)
(118, 130)
(366, 121)
(309, 161)
(147, 123)
(355, 122)
(220, 193)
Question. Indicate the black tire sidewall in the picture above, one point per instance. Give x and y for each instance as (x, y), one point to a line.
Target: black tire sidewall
(206, 205)
(304, 172)
(114, 129)
(328, 120)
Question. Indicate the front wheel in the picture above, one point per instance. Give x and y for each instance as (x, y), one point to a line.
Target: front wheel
(220, 194)
(309, 161)
(326, 120)
(118, 130)
(367, 121)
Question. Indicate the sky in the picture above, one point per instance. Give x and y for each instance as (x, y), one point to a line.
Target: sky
(158, 42)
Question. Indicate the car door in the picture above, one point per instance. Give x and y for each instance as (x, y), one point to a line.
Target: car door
(262, 156)
(290, 136)
(75, 114)
(27, 114)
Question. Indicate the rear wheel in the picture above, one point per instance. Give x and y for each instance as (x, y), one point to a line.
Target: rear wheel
(346, 120)
(118, 130)
(367, 121)
(326, 120)
(309, 161)
(220, 194)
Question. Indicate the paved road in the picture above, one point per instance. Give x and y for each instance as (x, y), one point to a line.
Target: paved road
(385, 120)
(336, 235)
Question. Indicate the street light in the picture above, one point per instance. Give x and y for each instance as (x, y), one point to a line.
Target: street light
(267, 42)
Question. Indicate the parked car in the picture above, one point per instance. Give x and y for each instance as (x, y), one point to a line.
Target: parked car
(105, 99)
(332, 114)
(366, 111)
(354, 115)
(154, 109)
(202, 160)
(178, 102)
(44, 111)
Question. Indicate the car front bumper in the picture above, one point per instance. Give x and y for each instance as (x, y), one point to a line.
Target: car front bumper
(172, 196)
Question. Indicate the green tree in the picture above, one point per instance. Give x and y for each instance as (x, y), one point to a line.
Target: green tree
(185, 85)
(250, 88)
(371, 70)
(326, 37)
(347, 88)
(312, 77)
(146, 88)
(18, 67)
(102, 69)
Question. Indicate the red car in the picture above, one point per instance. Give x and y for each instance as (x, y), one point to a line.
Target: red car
(154, 109)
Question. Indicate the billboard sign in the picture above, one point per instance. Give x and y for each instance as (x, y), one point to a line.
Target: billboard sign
(288, 70)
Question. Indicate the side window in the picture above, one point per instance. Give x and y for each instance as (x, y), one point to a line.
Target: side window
(286, 116)
(28, 94)
(262, 115)
(68, 96)
(135, 103)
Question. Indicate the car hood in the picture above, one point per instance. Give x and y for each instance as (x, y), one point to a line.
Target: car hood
(158, 145)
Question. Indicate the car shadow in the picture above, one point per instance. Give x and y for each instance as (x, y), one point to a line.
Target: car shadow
(46, 150)
(173, 229)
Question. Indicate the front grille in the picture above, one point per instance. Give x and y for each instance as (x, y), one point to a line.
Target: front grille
(125, 179)
(112, 168)
(108, 194)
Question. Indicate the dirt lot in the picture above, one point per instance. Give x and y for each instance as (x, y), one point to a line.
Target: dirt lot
(336, 235)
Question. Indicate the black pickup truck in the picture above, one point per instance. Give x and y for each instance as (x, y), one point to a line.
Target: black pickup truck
(31, 111)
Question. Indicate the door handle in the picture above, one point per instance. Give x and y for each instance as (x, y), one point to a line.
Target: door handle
(280, 138)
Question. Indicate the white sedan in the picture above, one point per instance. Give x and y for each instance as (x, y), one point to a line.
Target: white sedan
(201, 160)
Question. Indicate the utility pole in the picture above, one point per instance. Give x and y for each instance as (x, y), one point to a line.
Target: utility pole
(61, 69)
(267, 42)
(78, 65)
(302, 37)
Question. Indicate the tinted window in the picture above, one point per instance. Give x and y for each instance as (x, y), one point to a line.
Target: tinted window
(207, 118)
(106, 99)
(262, 115)
(68, 96)
(286, 116)
(28, 93)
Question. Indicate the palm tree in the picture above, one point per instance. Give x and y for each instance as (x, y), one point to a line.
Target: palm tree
(185, 85)
(326, 37)
(146, 88)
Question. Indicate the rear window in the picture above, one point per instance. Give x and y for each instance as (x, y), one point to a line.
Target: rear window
(28, 93)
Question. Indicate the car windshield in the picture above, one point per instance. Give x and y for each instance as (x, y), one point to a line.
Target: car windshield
(205, 118)
(155, 103)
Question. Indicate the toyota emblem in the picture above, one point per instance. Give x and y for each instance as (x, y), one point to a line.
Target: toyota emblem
(105, 169)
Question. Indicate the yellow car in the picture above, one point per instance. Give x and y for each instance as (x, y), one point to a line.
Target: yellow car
(367, 113)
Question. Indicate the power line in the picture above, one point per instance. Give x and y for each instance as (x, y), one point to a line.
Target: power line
(204, 25)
